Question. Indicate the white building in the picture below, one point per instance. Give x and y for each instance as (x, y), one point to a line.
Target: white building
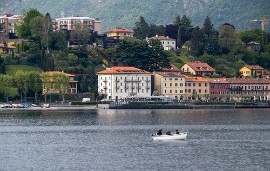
(166, 42)
(120, 82)
(8, 21)
(69, 23)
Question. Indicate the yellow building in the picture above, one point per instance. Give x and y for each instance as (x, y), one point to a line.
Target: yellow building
(49, 87)
(251, 71)
(120, 33)
(171, 84)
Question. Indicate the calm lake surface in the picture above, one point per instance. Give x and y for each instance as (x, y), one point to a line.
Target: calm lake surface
(111, 140)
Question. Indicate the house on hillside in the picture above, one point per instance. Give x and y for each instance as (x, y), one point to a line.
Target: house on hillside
(50, 82)
(252, 71)
(121, 82)
(254, 46)
(197, 68)
(120, 33)
(166, 42)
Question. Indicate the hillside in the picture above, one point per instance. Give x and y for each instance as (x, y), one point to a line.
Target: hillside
(125, 13)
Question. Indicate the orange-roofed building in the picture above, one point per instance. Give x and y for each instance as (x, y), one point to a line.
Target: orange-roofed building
(252, 71)
(171, 84)
(120, 82)
(73, 87)
(198, 68)
(196, 87)
(120, 33)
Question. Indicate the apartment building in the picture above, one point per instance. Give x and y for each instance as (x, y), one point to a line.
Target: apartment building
(8, 21)
(69, 23)
(171, 84)
(120, 82)
(196, 87)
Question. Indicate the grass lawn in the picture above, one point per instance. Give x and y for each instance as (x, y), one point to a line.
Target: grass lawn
(12, 69)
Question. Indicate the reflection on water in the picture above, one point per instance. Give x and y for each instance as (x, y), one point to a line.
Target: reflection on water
(234, 139)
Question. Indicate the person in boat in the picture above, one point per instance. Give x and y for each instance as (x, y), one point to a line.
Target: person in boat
(168, 133)
(159, 132)
(177, 132)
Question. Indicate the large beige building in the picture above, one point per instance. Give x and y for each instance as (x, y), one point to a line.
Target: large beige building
(196, 87)
(171, 84)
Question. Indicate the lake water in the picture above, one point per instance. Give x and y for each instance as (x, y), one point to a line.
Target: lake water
(111, 140)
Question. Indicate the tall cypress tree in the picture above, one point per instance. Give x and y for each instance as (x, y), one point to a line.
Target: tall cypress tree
(141, 29)
(210, 37)
(197, 46)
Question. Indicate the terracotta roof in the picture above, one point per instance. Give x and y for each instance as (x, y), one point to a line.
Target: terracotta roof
(248, 80)
(123, 70)
(170, 74)
(172, 68)
(120, 30)
(218, 80)
(200, 66)
(196, 79)
(58, 72)
(161, 38)
(254, 67)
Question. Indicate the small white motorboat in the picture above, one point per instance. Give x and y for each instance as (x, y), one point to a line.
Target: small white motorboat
(179, 136)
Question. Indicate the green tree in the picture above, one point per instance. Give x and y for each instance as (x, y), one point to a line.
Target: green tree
(61, 84)
(24, 29)
(137, 53)
(7, 87)
(141, 30)
(211, 45)
(46, 84)
(80, 36)
(2, 66)
(36, 83)
(57, 40)
(197, 46)
(227, 37)
(22, 80)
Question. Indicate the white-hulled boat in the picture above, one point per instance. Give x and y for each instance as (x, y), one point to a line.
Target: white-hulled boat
(180, 136)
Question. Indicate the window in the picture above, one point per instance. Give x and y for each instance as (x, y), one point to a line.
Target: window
(200, 84)
(205, 84)
(176, 84)
(164, 91)
(194, 84)
(170, 84)
(142, 90)
(170, 91)
(164, 84)
(175, 91)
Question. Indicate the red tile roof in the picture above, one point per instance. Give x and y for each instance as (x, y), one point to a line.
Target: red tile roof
(58, 72)
(120, 30)
(161, 38)
(123, 70)
(254, 67)
(248, 80)
(200, 66)
(196, 79)
(172, 68)
(170, 74)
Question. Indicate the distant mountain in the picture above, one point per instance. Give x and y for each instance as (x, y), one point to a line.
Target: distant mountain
(125, 13)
